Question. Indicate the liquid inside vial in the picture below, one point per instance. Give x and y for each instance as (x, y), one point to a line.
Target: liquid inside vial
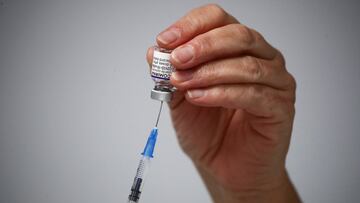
(161, 69)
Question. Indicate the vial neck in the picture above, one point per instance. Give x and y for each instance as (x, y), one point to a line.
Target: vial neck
(162, 86)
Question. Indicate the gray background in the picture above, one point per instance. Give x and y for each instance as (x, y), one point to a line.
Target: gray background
(75, 108)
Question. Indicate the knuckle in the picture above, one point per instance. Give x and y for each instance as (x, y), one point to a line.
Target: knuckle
(257, 70)
(192, 23)
(207, 74)
(246, 36)
(288, 81)
(278, 64)
(203, 72)
(254, 68)
(202, 45)
(195, 22)
(256, 35)
(216, 10)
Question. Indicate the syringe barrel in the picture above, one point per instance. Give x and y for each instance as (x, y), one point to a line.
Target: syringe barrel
(143, 167)
(139, 179)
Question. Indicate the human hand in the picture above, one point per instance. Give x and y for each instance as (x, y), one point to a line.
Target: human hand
(234, 106)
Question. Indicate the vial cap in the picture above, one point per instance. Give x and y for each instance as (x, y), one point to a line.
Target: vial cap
(160, 95)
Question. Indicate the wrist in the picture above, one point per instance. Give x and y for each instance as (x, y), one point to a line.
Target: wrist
(281, 190)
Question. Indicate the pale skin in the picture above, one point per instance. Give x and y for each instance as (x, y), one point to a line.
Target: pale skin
(234, 107)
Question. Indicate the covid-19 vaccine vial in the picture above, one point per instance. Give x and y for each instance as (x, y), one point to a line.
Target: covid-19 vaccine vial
(161, 70)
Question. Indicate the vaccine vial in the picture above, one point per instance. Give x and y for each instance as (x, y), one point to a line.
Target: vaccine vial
(161, 70)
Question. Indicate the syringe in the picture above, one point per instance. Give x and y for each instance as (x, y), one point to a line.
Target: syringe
(144, 163)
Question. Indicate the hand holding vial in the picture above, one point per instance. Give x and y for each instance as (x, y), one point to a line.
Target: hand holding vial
(233, 109)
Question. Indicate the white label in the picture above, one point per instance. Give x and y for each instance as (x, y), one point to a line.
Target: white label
(161, 67)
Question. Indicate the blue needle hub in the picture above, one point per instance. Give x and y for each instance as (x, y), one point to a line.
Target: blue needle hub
(150, 144)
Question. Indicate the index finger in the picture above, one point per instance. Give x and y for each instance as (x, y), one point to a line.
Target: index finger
(197, 21)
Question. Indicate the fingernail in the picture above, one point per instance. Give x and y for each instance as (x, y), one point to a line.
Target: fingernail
(183, 54)
(182, 76)
(169, 36)
(193, 94)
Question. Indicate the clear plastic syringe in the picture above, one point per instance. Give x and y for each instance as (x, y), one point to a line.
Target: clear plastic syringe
(144, 163)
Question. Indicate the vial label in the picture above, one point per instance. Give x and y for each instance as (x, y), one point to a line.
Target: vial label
(161, 67)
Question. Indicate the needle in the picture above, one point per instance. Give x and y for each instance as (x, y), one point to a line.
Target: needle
(158, 117)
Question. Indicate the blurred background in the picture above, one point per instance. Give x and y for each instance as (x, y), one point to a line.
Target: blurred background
(75, 108)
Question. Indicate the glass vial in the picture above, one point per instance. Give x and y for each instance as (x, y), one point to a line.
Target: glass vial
(161, 70)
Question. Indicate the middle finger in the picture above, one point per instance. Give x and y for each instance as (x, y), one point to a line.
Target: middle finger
(246, 69)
